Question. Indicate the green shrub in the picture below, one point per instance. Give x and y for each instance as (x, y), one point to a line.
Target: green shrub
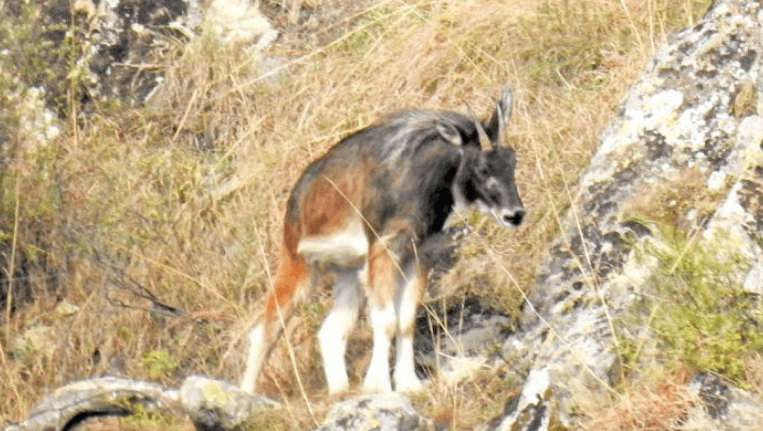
(694, 307)
(159, 363)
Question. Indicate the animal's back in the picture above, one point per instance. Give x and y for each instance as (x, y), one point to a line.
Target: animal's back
(391, 170)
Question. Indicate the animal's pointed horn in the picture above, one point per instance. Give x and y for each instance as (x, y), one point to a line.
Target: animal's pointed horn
(484, 139)
(485, 142)
(501, 125)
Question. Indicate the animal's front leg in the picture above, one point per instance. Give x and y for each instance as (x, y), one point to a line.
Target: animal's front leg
(407, 302)
(383, 321)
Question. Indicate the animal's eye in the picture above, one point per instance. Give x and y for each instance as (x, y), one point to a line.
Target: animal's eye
(482, 171)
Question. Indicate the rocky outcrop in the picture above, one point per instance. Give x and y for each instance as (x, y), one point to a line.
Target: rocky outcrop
(690, 125)
(723, 407)
(122, 45)
(530, 410)
(460, 341)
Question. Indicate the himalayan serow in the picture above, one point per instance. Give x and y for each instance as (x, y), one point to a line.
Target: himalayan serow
(364, 211)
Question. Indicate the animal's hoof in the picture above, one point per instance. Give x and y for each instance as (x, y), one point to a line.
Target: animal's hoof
(409, 385)
(338, 387)
(376, 386)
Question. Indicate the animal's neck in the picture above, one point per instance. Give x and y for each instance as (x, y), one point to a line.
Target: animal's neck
(463, 187)
(459, 188)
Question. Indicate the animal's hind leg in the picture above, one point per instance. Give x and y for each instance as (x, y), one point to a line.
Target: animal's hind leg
(336, 328)
(407, 302)
(293, 275)
(382, 269)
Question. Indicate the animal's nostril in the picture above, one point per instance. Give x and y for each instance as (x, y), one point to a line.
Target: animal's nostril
(515, 218)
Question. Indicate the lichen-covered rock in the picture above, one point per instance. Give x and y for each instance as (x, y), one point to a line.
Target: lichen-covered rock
(382, 412)
(688, 134)
(122, 45)
(461, 341)
(70, 405)
(739, 219)
(132, 36)
(216, 404)
(723, 407)
(211, 404)
(124, 41)
(240, 21)
(532, 409)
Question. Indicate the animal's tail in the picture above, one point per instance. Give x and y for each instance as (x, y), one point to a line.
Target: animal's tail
(293, 275)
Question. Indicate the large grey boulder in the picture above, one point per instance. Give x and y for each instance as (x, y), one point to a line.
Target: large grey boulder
(694, 114)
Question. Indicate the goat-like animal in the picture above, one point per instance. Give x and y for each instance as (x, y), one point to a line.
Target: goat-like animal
(365, 210)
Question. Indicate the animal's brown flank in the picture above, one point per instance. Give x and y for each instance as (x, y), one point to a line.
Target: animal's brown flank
(331, 200)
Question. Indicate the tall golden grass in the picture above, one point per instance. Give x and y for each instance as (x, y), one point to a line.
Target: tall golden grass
(164, 220)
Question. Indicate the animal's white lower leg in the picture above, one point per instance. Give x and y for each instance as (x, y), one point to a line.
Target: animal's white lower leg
(336, 328)
(254, 358)
(384, 323)
(405, 373)
(407, 305)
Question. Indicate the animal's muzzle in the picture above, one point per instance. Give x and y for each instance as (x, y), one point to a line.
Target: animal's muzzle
(512, 217)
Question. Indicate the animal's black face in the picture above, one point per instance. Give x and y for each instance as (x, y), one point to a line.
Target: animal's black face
(495, 188)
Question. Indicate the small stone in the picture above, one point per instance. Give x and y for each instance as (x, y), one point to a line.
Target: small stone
(378, 412)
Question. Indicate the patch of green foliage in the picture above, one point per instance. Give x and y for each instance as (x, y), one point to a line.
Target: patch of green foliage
(145, 419)
(694, 307)
(42, 52)
(159, 363)
(38, 70)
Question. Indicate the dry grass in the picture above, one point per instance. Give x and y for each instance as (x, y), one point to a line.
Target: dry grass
(164, 221)
(662, 406)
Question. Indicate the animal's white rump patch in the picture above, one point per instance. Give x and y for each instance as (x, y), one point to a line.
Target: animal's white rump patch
(347, 247)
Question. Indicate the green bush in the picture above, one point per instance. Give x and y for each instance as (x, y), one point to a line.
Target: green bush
(159, 363)
(694, 307)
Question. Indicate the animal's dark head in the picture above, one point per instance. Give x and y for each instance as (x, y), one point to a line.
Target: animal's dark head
(488, 172)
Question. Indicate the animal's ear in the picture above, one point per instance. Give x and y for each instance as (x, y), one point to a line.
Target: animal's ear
(500, 118)
(449, 133)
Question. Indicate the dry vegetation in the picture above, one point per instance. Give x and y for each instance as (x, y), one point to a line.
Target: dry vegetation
(140, 241)
(662, 405)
